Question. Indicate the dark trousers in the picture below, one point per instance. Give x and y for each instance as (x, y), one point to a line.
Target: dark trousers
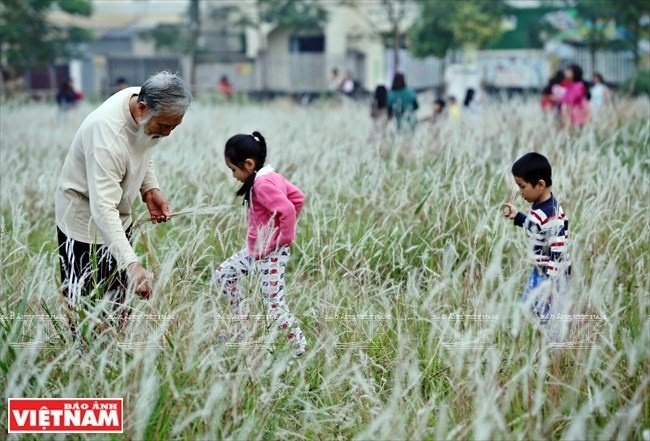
(88, 273)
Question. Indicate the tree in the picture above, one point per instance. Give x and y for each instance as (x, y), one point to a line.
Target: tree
(597, 18)
(603, 23)
(634, 15)
(397, 13)
(28, 40)
(431, 34)
(294, 14)
(444, 25)
(180, 38)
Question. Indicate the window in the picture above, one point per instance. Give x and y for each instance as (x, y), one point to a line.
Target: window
(307, 43)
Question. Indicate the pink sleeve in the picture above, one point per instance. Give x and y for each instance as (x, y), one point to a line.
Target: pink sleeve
(296, 197)
(272, 198)
(574, 94)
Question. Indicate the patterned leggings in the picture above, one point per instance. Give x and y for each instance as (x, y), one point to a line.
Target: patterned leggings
(271, 268)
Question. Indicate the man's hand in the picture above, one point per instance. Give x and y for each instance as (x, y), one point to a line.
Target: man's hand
(509, 211)
(157, 205)
(141, 279)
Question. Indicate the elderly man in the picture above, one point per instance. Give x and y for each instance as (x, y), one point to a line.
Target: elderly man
(109, 164)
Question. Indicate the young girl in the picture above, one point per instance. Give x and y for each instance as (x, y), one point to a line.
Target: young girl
(273, 208)
(575, 107)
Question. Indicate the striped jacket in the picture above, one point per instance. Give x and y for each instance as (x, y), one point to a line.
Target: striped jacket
(548, 232)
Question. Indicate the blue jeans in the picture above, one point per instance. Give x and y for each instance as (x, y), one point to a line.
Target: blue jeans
(540, 287)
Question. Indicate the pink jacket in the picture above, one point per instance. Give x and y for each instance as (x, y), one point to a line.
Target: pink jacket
(273, 212)
(576, 99)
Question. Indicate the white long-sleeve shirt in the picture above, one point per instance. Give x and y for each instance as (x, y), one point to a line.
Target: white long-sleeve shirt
(105, 170)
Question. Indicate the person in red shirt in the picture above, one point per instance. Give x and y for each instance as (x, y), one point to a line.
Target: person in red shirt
(226, 88)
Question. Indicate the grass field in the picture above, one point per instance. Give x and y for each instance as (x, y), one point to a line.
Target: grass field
(405, 277)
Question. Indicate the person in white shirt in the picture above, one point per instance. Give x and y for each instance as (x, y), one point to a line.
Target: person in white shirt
(599, 96)
(108, 165)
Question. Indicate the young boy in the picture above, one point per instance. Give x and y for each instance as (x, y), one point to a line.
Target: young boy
(547, 228)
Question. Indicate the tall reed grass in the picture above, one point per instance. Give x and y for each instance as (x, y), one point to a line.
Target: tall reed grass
(405, 277)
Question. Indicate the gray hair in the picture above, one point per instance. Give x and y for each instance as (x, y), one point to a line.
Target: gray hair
(165, 92)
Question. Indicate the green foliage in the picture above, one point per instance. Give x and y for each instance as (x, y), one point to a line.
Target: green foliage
(598, 23)
(431, 35)
(639, 84)
(477, 23)
(294, 14)
(630, 14)
(599, 15)
(28, 40)
(444, 25)
(168, 36)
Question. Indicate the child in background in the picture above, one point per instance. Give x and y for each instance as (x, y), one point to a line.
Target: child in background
(438, 112)
(600, 96)
(379, 110)
(454, 109)
(273, 207)
(547, 101)
(575, 105)
(226, 88)
(547, 228)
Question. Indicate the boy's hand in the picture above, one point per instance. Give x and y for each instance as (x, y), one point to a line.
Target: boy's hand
(509, 211)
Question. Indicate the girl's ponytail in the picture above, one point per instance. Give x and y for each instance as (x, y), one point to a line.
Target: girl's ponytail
(259, 138)
(242, 147)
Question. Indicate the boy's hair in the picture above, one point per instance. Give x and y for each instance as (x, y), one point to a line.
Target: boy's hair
(440, 102)
(241, 147)
(532, 167)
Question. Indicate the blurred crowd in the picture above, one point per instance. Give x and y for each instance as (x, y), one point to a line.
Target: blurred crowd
(570, 100)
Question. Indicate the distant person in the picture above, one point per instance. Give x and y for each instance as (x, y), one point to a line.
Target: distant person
(553, 93)
(575, 105)
(121, 84)
(454, 109)
(109, 166)
(226, 88)
(471, 107)
(558, 85)
(438, 112)
(66, 96)
(348, 85)
(402, 102)
(547, 103)
(379, 109)
(600, 96)
(334, 84)
(547, 229)
(273, 205)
